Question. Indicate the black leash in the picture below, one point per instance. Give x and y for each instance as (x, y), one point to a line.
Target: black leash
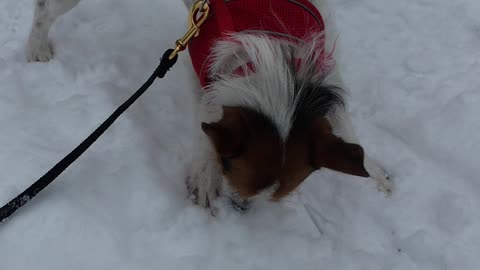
(24, 197)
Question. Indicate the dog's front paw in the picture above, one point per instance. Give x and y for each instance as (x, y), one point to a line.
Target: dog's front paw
(384, 185)
(200, 195)
(203, 186)
(377, 173)
(204, 197)
(39, 51)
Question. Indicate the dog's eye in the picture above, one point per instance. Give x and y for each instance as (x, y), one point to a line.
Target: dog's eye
(226, 164)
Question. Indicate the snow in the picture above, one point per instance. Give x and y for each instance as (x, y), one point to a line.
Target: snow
(413, 70)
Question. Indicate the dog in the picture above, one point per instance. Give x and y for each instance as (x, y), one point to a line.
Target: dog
(272, 109)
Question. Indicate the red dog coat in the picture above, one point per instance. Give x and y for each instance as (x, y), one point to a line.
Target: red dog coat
(287, 19)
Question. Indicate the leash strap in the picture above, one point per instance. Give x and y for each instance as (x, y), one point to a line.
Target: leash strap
(6, 211)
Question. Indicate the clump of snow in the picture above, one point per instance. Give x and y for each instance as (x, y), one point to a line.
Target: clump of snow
(413, 71)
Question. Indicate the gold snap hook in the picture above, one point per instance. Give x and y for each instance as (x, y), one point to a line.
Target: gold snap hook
(198, 15)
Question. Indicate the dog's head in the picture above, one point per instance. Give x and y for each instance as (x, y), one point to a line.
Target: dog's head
(255, 159)
(275, 130)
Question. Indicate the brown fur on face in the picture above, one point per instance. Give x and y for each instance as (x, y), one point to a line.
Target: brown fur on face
(249, 149)
(254, 156)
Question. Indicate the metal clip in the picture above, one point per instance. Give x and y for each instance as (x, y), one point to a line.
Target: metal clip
(198, 15)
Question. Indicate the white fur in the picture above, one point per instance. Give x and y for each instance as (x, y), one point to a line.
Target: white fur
(268, 89)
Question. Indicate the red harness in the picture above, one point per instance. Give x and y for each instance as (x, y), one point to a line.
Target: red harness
(287, 19)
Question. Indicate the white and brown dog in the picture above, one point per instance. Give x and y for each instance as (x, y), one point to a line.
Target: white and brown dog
(273, 108)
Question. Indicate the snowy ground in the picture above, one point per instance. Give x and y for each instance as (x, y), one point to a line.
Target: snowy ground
(413, 68)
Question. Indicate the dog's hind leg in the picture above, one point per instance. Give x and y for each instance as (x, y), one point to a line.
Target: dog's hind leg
(39, 47)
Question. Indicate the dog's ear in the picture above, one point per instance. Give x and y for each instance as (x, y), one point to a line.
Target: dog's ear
(332, 152)
(228, 135)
